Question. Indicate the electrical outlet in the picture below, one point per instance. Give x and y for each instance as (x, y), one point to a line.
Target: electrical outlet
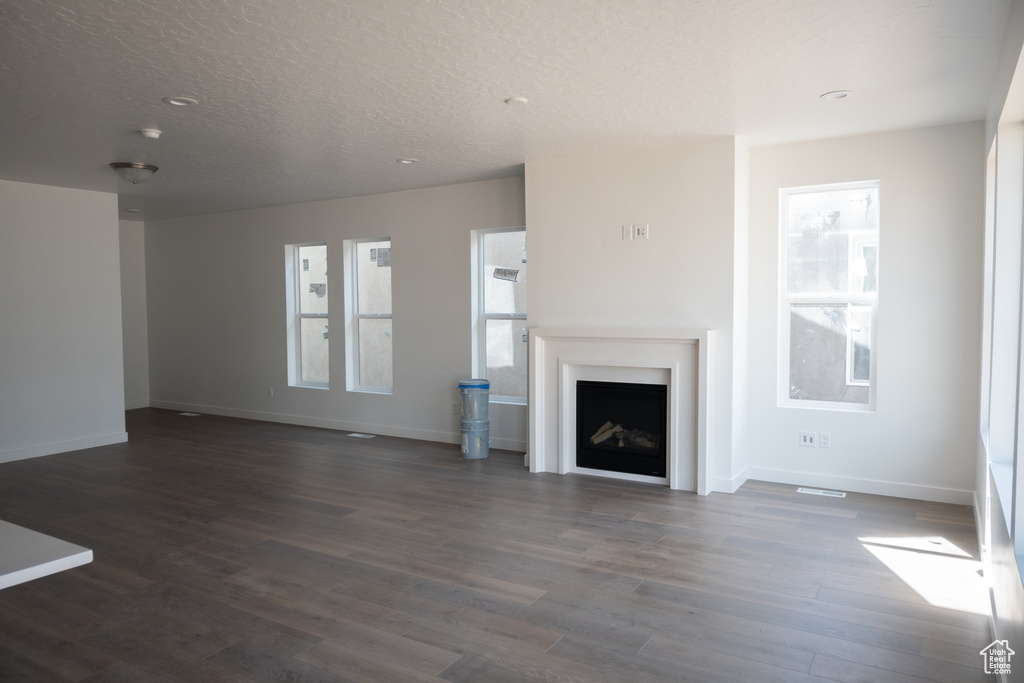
(627, 232)
(642, 231)
(809, 439)
(824, 440)
(270, 392)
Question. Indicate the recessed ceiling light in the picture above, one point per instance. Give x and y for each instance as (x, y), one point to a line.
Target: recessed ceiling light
(516, 100)
(180, 101)
(129, 210)
(407, 161)
(835, 95)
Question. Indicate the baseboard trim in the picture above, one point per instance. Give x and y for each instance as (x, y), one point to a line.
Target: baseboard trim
(727, 485)
(135, 405)
(339, 425)
(41, 450)
(934, 494)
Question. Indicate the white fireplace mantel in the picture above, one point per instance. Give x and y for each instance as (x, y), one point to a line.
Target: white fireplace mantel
(681, 360)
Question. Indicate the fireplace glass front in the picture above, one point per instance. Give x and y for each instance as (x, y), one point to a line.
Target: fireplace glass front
(622, 427)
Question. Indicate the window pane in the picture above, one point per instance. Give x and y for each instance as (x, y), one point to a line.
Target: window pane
(832, 239)
(860, 343)
(313, 345)
(818, 340)
(506, 357)
(313, 279)
(375, 352)
(504, 272)
(373, 271)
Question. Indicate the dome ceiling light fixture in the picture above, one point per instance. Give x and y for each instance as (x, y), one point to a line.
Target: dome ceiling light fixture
(133, 171)
(151, 133)
(407, 162)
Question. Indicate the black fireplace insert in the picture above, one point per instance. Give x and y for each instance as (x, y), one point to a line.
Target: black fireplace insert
(622, 427)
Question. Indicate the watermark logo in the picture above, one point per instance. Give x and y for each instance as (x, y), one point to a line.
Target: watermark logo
(997, 657)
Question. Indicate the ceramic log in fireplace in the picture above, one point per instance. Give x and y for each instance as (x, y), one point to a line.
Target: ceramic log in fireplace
(621, 427)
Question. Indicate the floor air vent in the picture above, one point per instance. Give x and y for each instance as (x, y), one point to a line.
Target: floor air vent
(819, 492)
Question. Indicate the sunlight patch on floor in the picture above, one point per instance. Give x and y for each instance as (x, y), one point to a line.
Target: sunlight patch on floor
(938, 570)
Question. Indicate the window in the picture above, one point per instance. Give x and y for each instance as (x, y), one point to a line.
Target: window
(499, 311)
(1003, 356)
(828, 302)
(368, 305)
(308, 343)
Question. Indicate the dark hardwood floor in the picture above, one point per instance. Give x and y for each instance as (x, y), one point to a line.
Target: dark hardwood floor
(229, 550)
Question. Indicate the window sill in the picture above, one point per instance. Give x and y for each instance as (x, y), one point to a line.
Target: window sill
(322, 387)
(827, 405)
(372, 390)
(508, 400)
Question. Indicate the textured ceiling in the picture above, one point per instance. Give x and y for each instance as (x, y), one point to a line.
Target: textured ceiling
(314, 99)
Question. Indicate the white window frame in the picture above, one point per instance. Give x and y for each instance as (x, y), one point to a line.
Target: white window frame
(353, 316)
(480, 318)
(293, 311)
(848, 299)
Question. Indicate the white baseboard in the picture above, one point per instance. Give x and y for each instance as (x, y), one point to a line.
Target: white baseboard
(40, 450)
(134, 405)
(340, 425)
(935, 494)
(727, 485)
(506, 444)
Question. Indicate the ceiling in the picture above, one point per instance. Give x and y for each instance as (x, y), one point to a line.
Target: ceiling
(299, 100)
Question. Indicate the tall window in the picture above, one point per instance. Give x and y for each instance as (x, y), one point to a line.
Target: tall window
(499, 302)
(308, 343)
(829, 257)
(369, 315)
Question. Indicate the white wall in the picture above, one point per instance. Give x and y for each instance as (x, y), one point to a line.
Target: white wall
(741, 319)
(133, 314)
(61, 375)
(216, 307)
(921, 440)
(582, 274)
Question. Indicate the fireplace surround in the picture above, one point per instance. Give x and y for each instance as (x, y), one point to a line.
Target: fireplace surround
(679, 360)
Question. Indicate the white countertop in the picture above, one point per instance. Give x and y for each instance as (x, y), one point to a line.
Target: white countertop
(27, 555)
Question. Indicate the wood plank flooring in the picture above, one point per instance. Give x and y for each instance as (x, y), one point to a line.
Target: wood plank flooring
(230, 550)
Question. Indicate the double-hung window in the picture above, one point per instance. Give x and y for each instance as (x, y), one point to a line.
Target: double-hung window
(308, 343)
(368, 305)
(829, 291)
(499, 311)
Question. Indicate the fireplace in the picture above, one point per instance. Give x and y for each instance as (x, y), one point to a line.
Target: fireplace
(676, 360)
(622, 427)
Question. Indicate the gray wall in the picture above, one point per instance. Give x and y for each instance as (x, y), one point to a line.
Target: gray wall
(61, 385)
(216, 308)
(133, 314)
(920, 440)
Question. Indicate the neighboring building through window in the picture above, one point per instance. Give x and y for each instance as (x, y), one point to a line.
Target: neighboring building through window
(308, 343)
(368, 309)
(829, 290)
(499, 311)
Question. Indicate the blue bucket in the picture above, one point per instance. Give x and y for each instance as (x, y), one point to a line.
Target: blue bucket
(475, 423)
